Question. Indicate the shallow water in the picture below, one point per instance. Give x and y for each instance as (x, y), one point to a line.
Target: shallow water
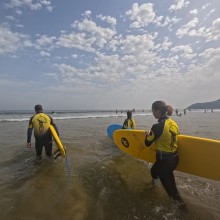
(100, 181)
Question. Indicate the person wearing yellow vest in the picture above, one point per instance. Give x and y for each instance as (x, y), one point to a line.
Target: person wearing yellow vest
(164, 134)
(41, 122)
(129, 121)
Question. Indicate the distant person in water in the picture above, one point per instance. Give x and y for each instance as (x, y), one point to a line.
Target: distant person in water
(177, 112)
(164, 134)
(41, 122)
(129, 121)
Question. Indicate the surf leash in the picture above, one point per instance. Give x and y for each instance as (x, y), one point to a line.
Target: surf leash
(67, 166)
(57, 154)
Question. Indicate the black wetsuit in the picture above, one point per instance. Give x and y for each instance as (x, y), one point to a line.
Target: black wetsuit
(43, 138)
(164, 134)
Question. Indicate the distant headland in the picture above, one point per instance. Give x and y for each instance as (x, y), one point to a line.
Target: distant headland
(206, 105)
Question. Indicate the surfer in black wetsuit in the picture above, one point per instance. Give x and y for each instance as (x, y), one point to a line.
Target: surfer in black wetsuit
(41, 122)
(164, 134)
(129, 121)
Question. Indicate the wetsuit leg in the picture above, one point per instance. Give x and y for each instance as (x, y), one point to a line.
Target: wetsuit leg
(167, 166)
(155, 170)
(38, 147)
(48, 148)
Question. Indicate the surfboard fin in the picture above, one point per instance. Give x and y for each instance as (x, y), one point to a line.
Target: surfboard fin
(56, 153)
(57, 150)
(55, 157)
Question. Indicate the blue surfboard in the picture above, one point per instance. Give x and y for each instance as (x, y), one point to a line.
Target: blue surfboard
(112, 128)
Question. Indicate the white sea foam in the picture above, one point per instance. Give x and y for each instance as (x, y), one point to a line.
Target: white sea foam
(65, 116)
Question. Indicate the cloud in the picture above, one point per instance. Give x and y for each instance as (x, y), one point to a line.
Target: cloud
(215, 31)
(137, 44)
(165, 45)
(106, 71)
(205, 6)
(185, 51)
(211, 53)
(206, 72)
(179, 4)
(194, 12)
(45, 42)
(44, 54)
(169, 21)
(96, 34)
(87, 36)
(141, 15)
(76, 40)
(96, 55)
(134, 55)
(74, 56)
(192, 29)
(186, 28)
(87, 13)
(37, 5)
(11, 42)
(108, 19)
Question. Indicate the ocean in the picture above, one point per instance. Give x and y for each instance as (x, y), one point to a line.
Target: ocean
(97, 181)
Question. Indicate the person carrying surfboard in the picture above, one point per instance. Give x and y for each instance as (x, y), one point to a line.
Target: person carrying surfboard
(129, 121)
(41, 122)
(164, 134)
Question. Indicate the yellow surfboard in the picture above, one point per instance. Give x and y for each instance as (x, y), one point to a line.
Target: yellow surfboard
(198, 156)
(59, 144)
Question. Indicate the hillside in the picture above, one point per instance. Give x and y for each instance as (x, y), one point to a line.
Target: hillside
(206, 105)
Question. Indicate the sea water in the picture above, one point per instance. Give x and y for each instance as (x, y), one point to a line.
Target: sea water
(97, 181)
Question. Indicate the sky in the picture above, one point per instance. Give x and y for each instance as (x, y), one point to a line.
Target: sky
(102, 54)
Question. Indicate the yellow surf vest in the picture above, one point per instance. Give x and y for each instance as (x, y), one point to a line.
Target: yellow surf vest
(41, 123)
(168, 140)
(129, 123)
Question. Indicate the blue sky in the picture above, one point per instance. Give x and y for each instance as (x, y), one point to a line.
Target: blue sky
(101, 54)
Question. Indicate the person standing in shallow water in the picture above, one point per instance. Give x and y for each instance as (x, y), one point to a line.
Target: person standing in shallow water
(129, 121)
(41, 122)
(164, 134)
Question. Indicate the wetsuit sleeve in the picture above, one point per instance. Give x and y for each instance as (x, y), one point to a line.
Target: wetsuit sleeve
(156, 131)
(29, 130)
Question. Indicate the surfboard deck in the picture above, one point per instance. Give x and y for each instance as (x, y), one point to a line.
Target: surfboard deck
(111, 128)
(58, 142)
(198, 156)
